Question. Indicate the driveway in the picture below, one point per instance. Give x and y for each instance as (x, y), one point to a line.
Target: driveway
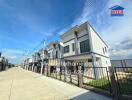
(19, 84)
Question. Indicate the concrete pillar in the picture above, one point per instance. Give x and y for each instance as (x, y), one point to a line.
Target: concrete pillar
(27, 67)
(32, 67)
(65, 73)
(48, 70)
(6, 67)
(76, 42)
(75, 69)
(80, 77)
(35, 68)
(42, 65)
(94, 66)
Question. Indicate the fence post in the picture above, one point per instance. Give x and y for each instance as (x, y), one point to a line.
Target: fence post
(56, 74)
(70, 77)
(32, 67)
(41, 68)
(48, 71)
(60, 72)
(114, 86)
(65, 73)
(80, 77)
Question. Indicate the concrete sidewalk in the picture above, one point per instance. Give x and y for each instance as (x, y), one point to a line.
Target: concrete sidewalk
(19, 84)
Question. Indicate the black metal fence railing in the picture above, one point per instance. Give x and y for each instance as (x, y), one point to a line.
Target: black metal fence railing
(123, 77)
(115, 80)
(97, 77)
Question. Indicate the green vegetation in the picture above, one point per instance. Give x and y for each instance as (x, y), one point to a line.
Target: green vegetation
(125, 85)
(128, 70)
(102, 83)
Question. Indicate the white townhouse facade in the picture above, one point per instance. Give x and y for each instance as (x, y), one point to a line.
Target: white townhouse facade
(80, 44)
(55, 53)
(36, 59)
(43, 54)
(28, 64)
(83, 44)
(44, 59)
(50, 57)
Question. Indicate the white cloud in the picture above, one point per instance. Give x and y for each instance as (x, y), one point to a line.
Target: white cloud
(121, 53)
(122, 49)
(113, 30)
(119, 29)
(87, 10)
(12, 55)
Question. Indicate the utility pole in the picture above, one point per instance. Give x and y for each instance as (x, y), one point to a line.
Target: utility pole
(42, 58)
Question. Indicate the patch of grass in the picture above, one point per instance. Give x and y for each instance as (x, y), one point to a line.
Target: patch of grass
(125, 85)
(128, 70)
(102, 83)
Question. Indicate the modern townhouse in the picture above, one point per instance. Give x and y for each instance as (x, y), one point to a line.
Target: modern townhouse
(36, 59)
(25, 64)
(55, 54)
(81, 47)
(44, 59)
(82, 44)
(28, 64)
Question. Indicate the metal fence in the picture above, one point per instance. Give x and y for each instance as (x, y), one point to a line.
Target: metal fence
(115, 80)
(97, 77)
(66, 76)
(123, 77)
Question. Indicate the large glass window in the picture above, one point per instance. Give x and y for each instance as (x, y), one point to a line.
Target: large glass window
(84, 46)
(56, 54)
(66, 49)
(73, 46)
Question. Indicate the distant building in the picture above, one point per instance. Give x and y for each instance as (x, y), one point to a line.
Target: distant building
(55, 53)
(3, 63)
(121, 63)
(36, 60)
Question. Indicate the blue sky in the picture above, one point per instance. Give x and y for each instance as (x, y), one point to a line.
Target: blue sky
(25, 23)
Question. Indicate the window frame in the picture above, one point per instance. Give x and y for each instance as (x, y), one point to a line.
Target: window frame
(66, 49)
(73, 46)
(84, 46)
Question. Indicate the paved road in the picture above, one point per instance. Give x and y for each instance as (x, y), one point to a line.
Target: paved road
(19, 84)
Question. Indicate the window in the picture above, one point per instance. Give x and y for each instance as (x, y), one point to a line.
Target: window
(105, 49)
(84, 46)
(66, 49)
(48, 54)
(56, 56)
(73, 46)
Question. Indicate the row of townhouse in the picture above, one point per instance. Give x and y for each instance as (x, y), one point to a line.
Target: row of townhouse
(3, 63)
(81, 44)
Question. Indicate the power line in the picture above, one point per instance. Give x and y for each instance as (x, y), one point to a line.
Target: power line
(65, 24)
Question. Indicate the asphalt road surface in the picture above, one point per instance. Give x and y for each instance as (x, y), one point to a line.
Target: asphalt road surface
(19, 84)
